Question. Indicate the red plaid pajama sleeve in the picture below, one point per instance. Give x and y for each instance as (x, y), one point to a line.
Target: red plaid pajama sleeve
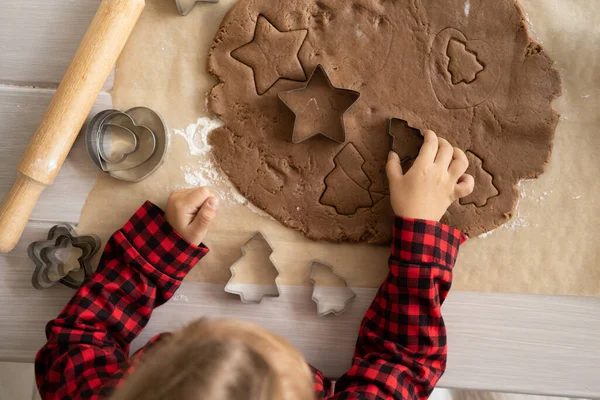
(401, 347)
(400, 353)
(87, 353)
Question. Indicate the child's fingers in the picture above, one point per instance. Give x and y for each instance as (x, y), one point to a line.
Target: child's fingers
(195, 198)
(429, 149)
(459, 164)
(464, 187)
(206, 214)
(444, 154)
(393, 167)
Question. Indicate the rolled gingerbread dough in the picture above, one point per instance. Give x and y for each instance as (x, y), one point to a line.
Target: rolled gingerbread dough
(477, 78)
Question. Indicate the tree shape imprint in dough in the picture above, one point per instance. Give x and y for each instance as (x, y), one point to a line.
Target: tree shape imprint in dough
(463, 64)
(463, 72)
(319, 108)
(272, 55)
(347, 185)
(484, 183)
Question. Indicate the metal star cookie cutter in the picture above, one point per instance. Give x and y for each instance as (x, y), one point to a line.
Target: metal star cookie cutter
(55, 261)
(248, 292)
(330, 299)
(320, 68)
(186, 6)
(128, 145)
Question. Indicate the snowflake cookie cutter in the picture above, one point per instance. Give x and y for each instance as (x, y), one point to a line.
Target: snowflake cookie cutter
(253, 293)
(186, 6)
(64, 257)
(330, 299)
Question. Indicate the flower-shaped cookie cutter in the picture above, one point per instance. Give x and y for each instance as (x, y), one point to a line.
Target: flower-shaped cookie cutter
(62, 258)
(186, 6)
(128, 145)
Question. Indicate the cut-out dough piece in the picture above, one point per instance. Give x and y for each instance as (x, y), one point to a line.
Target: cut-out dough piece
(463, 65)
(484, 183)
(319, 108)
(347, 186)
(331, 292)
(272, 55)
(254, 275)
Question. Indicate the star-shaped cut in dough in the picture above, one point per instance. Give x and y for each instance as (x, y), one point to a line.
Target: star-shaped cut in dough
(272, 55)
(319, 108)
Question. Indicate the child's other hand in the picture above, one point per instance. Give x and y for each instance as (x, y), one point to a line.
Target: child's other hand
(436, 179)
(191, 211)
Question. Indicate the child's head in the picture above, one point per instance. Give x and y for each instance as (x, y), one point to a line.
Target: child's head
(220, 360)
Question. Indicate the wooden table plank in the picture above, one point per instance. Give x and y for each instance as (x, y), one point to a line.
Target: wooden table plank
(39, 38)
(21, 109)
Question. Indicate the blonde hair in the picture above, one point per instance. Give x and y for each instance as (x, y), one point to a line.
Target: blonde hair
(220, 360)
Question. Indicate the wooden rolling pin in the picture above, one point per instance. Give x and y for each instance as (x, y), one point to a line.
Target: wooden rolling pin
(67, 112)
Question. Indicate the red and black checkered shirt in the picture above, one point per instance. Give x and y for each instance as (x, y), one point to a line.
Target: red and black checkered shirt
(401, 347)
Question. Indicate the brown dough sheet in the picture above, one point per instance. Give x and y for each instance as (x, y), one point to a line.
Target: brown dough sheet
(476, 78)
(549, 247)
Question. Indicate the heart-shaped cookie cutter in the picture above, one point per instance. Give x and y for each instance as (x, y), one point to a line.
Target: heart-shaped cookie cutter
(128, 145)
(54, 260)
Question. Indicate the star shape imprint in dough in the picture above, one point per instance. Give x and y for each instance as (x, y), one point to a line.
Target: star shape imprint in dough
(319, 108)
(272, 55)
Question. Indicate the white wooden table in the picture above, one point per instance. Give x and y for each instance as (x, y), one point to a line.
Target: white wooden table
(513, 343)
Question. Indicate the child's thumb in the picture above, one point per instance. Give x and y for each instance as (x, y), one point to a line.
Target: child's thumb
(393, 167)
(206, 214)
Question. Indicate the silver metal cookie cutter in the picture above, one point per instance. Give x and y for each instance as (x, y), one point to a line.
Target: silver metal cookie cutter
(186, 6)
(320, 69)
(62, 258)
(330, 300)
(128, 145)
(253, 293)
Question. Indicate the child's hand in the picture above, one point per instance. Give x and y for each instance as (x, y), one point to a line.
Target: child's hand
(191, 211)
(436, 179)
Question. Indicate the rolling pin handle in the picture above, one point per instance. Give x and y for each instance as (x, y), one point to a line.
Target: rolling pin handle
(18, 206)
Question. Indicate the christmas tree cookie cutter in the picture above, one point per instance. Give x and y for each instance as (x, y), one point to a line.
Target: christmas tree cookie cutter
(128, 145)
(331, 292)
(186, 6)
(411, 142)
(254, 251)
(62, 258)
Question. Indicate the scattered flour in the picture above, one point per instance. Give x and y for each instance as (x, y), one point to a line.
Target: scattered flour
(484, 235)
(204, 172)
(196, 135)
(467, 8)
(518, 220)
(180, 297)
